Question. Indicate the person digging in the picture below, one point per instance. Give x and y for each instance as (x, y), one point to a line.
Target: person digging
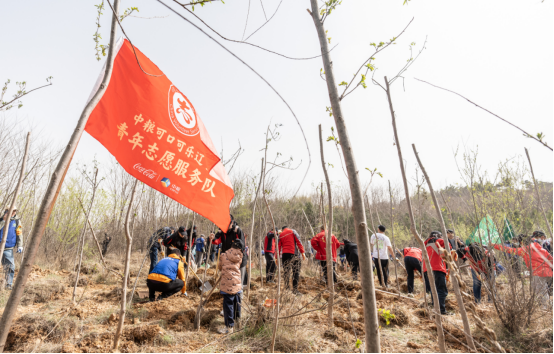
(167, 277)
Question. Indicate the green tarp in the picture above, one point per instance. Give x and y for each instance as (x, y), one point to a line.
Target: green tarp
(508, 233)
(487, 231)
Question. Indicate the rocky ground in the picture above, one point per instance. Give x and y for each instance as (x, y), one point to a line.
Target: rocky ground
(48, 320)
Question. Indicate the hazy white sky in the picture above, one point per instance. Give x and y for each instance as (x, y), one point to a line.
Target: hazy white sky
(497, 53)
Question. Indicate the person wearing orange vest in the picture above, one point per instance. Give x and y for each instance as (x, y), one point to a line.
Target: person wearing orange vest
(291, 248)
(320, 245)
(536, 259)
(433, 244)
(412, 262)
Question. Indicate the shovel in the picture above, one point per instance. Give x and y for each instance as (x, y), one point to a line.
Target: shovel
(206, 286)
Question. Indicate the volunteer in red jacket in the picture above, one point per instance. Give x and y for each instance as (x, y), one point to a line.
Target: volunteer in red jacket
(481, 266)
(269, 254)
(291, 248)
(319, 244)
(412, 261)
(540, 261)
(432, 244)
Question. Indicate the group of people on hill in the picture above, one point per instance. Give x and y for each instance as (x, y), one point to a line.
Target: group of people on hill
(168, 276)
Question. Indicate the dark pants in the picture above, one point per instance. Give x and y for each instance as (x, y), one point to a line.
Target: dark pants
(166, 289)
(199, 258)
(440, 284)
(355, 269)
(291, 263)
(153, 260)
(385, 267)
(477, 286)
(231, 308)
(412, 264)
(269, 266)
(324, 266)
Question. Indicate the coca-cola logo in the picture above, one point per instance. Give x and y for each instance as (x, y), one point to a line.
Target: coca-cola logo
(147, 172)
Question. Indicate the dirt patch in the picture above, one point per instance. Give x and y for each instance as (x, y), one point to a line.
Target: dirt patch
(143, 334)
(413, 345)
(83, 280)
(185, 319)
(32, 326)
(41, 291)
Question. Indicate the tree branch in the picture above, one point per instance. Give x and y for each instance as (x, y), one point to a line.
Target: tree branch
(486, 110)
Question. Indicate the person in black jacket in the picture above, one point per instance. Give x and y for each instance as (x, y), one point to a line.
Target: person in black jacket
(351, 252)
(269, 254)
(225, 239)
(105, 243)
(178, 240)
(155, 245)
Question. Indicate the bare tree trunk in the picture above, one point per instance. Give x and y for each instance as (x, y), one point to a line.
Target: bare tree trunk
(277, 263)
(371, 322)
(129, 238)
(328, 238)
(392, 236)
(83, 234)
(53, 190)
(252, 231)
(453, 270)
(8, 216)
(431, 277)
(538, 194)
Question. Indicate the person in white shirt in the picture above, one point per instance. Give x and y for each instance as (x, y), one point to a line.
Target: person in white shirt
(381, 246)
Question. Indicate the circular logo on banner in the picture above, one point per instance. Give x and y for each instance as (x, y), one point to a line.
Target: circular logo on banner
(182, 113)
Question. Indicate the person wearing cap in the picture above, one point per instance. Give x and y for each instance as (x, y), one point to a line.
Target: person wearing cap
(14, 239)
(178, 240)
(231, 283)
(167, 277)
(290, 249)
(156, 245)
(433, 244)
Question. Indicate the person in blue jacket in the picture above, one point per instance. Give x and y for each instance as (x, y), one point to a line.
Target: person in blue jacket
(200, 247)
(14, 239)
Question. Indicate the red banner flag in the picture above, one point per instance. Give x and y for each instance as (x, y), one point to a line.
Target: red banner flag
(156, 135)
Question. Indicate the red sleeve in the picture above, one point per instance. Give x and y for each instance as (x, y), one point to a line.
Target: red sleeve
(440, 241)
(505, 249)
(216, 242)
(336, 243)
